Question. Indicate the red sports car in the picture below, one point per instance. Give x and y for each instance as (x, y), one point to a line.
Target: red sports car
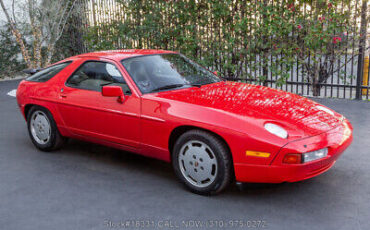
(163, 105)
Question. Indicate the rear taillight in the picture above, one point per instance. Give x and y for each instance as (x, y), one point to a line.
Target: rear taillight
(292, 158)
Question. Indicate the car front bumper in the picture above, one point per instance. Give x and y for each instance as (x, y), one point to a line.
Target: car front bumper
(336, 140)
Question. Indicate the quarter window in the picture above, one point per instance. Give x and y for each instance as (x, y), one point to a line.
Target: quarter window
(93, 75)
(48, 73)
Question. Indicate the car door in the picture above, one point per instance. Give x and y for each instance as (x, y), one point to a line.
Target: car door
(85, 111)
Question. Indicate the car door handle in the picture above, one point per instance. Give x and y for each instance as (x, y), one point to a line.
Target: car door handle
(62, 95)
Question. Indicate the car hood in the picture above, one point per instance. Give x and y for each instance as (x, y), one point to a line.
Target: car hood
(253, 103)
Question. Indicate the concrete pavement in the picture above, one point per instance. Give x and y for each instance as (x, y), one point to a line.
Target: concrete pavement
(87, 186)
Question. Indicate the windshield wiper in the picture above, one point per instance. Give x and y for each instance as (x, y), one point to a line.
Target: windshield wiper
(173, 86)
(195, 84)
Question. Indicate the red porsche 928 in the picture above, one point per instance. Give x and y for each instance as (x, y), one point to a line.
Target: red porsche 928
(161, 104)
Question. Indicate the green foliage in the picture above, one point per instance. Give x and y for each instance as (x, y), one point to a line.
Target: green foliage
(10, 61)
(239, 39)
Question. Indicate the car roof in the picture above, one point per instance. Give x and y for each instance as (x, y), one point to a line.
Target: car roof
(119, 55)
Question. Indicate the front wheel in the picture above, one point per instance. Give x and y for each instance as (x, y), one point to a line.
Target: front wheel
(202, 162)
(43, 130)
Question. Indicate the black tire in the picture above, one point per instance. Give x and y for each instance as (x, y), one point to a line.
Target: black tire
(224, 172)
(55, 141)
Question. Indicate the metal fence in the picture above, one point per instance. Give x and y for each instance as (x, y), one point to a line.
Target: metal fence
(351, 81)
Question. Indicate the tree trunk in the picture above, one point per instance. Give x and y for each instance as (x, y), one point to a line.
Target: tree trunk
(316, 87)
(18, 37)
(36, 32)
(316, 90)
(50, 53)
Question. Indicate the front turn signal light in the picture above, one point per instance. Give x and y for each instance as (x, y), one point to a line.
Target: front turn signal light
(257, 154)
(292, 158)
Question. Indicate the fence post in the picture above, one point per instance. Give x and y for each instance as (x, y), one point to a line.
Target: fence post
(360, 62)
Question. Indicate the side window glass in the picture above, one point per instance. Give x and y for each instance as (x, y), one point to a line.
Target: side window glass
(48, 73)
(94, 75)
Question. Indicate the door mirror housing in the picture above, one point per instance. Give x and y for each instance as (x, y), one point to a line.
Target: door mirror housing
(113, 91)
(215, 73)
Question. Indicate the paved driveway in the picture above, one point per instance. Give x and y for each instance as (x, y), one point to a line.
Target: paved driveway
(85, 186)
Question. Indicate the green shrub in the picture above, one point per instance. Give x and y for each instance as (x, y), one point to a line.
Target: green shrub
(11, 61)
(243, 39)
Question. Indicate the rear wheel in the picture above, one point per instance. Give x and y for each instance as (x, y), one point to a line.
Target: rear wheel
(202, 162)
(43, 130)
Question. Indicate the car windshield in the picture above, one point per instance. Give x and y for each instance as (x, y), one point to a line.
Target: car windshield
(160, 72)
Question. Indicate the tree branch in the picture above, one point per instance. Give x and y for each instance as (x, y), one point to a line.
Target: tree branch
(17, 35)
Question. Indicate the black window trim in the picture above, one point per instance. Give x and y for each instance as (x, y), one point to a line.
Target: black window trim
(61, 63)
(90, 60)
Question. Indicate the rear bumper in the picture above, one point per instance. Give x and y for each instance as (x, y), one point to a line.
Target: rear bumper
(336, 141)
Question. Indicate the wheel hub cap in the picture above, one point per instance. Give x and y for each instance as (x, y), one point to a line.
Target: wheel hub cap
(198, 163)
(40, 127)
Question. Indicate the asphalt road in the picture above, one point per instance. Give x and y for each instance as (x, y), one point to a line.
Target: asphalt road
(86, 186)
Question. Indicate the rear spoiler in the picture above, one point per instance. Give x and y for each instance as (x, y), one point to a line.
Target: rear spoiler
(31, 71)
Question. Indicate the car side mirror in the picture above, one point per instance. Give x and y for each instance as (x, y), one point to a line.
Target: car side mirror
(113, 91)
(215, 73)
